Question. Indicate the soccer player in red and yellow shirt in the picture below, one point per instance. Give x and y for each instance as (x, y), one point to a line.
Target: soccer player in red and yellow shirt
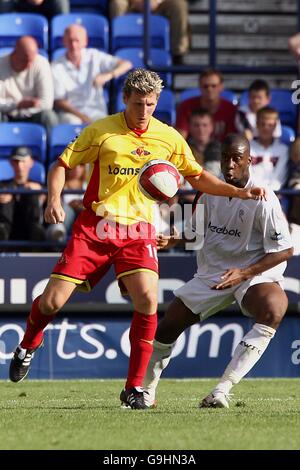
(105, 233)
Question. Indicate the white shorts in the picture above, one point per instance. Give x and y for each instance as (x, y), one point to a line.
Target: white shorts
(204, 301)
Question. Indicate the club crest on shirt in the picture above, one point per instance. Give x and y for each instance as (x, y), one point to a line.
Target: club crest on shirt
(276, 236)
(62, 259)
(140, 151)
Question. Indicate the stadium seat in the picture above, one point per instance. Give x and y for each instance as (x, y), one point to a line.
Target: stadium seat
(60, 136)
(128, 30)
(15, 25)
(287, 135)
(282, 101)
(191, 92)
(99, 6)
(6, 170)
(37, 172)
(15, 134)
(96, 26)
(165, 110)
(8, 50)
(136, 56)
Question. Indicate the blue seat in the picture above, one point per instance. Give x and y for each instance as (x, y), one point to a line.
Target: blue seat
(6, 170)
(192, 92)
(15, 25)
(60, 136)
(136, 56)
(89, 5)
(96, 26)
(165, 109)
(8, 50)
(128, 31)
(282, 101)
(287, 135)
(37, 172)
(15, 134)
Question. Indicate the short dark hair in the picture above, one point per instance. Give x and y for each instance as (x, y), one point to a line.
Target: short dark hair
(260, 85)
(209, 72)
(267, 111)
(235, 139)
(201, 112)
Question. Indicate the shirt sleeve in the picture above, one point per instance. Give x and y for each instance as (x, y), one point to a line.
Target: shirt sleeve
(44, 83)
(184, 159)
(105, 62)
(81, 150)
(274, 227)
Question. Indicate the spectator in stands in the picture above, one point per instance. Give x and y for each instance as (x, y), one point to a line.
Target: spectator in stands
(72, 204)
(259, 97)
(175, 10)
(26, 85)
(79, 78)
(294, 181)
(48, 8)
(223, 112)
(269, 155)
(206, 150)
(21, 214)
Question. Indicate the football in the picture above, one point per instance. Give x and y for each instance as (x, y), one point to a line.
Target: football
(159, 180)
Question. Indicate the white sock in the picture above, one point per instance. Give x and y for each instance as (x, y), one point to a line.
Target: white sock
(159, 360)
(246, 355)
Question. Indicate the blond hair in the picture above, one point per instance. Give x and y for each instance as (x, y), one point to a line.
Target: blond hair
(142, 81)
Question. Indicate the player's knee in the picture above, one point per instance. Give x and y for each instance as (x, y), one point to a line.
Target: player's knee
(146, 302)
(274, 310)
(50, 304)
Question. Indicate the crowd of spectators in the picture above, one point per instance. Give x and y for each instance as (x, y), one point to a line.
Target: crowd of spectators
(72, 89)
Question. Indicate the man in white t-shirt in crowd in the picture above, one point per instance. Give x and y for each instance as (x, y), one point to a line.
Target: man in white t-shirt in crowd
(243, 257)
(259, 96)
(26, 86)
(79, 77)
(270, 156)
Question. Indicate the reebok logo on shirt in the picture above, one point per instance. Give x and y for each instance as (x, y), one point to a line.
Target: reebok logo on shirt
(224, 230)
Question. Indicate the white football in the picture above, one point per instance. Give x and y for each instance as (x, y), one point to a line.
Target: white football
(159, 180)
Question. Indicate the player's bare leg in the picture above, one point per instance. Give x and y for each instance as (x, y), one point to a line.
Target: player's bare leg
(177, 318)
(142, 288)
(267, 303)
(44, 309)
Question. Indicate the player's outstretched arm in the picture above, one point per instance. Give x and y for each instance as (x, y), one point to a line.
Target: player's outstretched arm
(235, 276)
(210, 184)
(54, 212)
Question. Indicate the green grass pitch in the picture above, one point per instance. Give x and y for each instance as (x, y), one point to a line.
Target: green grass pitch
(264, 414)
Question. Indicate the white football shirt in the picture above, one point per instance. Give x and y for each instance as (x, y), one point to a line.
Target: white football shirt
(238, 233)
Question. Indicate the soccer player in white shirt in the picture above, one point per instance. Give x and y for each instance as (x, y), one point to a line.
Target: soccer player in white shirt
(243, 257)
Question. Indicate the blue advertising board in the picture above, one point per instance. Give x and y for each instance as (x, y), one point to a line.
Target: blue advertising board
(99, 348)
(24, 276)
(96, 346)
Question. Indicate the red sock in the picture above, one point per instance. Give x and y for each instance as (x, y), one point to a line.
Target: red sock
(36, 322)
(141, 337)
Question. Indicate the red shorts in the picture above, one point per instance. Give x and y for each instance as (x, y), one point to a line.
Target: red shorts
(97, 244)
